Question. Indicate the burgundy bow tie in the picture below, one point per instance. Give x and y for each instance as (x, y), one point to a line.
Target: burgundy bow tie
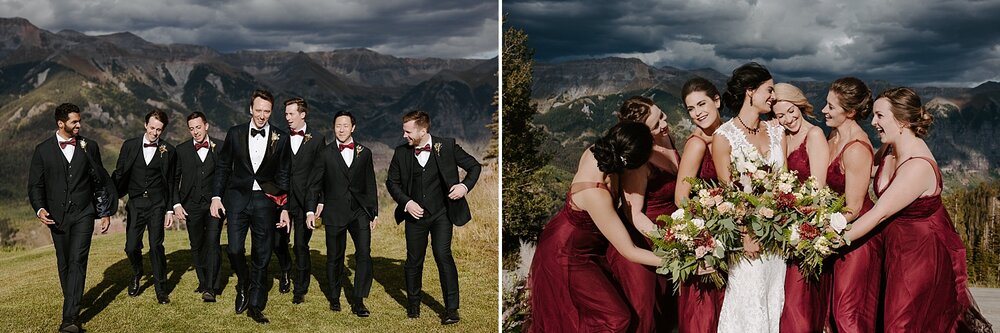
(203, 144)
(70, 142)
(427, 148)
(299, 133)
(347, 146)
(147, 145)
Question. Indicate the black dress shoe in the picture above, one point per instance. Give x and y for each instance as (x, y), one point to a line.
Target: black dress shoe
(69, 327)
(208, 297)
(284, 283)
(162, 299)
(335, 306)
(241, 301)
(199, 290)
(413, 311)
(298, 299)
(257, 316)
(360, 309)
(450, 317)
(133, 286)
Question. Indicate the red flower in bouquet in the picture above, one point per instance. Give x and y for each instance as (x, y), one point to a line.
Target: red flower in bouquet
(808, 232)
(704, 239)
(785, 201)
(668, 235)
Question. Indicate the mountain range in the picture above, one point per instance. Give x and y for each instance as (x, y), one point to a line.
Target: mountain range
(117, 78)
(578, 101)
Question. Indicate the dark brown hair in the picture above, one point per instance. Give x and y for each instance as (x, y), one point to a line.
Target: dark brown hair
(906, 107)
(63, 111)
(262, 94)
(854, 96)
(420, 118)
(197, 114)
(635, 108)
(697, 84)
(303, 107)
(159, 115)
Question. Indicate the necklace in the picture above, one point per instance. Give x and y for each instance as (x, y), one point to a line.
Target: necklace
(752, 131)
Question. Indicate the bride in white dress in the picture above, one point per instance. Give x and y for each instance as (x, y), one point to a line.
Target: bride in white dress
(755, 290)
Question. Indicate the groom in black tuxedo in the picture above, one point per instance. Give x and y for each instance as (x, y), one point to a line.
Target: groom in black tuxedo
(69, 188)
(194, 181)
(305, 146)
(344, 182)
(251, 184)
(145, 172)
(423, 180)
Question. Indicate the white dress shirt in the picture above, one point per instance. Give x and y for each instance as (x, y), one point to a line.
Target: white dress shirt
(425, 155)
(347, 153)
(147, 152)
(297, 139)
(69, 150)
(203, 153)
(258, 146)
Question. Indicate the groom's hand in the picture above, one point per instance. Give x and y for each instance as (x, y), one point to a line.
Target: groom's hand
(457, 191)
(414, 209)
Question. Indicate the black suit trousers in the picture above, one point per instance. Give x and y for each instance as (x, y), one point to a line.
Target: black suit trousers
(143, 213)
(440, 229)
(302, 235)
(259, 218)
(336, 245)
(72, 251)
(204, 232)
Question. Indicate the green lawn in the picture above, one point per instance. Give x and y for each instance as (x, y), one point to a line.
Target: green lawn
(31, 301)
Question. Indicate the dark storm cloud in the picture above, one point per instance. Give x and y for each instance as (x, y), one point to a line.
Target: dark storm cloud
(907, 42)
(411, 28)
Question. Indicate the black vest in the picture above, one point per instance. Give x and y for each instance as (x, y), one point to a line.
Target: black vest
(146, 181)
(201, 191)
(430, 191)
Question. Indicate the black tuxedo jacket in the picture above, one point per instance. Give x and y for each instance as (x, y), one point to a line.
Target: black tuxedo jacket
(340, 186)
(188, 167)
(449, 157)
(302, 163)
(70, 190)
(234, 173)
(131, 150)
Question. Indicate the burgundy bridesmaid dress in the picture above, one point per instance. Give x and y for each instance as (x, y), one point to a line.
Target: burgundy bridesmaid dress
(807, 301)
(570, 284)
(699, 304)
(650, 295)
(926, 283)
(857, 278)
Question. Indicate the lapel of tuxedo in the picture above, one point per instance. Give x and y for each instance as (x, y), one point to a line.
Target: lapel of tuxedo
(353, 169)
(57, 152)
(341, 163)
(77, 155)
(244, 140)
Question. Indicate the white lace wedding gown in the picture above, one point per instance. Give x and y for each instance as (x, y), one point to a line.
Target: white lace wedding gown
(755, 292)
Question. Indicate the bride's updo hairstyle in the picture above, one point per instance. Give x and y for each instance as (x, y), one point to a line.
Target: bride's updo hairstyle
(748, 76)
(626, 145)
(906, 107)
(635, 108)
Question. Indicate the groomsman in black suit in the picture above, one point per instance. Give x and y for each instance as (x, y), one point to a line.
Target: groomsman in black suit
(194, 182)
(344, 181)
(306, 145)
(69, 188)
(423, 180)
(145, 172)
(251, 184)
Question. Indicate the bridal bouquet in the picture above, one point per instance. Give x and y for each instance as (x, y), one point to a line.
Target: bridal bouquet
(766, 191)
(818, 229)
(695, 237)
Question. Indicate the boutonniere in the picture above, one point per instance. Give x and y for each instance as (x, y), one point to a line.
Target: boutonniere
(212, 145)
(359, 149)
(437, 149)
(163, 149)
(308, 136)
(274, 138)
(83, 145)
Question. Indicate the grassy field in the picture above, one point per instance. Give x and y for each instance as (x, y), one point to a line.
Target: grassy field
(32, 301)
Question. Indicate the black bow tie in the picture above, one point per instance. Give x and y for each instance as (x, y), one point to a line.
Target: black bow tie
(255, 132)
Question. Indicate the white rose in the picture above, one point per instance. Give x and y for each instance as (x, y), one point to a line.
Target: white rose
(838, 222)
(700, 251)
(703, 193)
(717, 199)
(698, 223)
(784, 187)
(766, 212)
(725, 207)
(759, 174)
(747, 185)
(677, 214)
(706, 201)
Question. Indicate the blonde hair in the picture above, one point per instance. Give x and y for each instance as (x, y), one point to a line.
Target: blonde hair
(789, 93)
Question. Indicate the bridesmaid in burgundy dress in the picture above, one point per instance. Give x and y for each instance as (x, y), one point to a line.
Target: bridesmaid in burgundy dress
(926, 283)
(648, 193)
(807, 302)
(570, 283)
(698, 305)
(856, 274)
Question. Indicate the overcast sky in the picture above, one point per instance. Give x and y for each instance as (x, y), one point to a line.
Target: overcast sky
(915, 42)
(407, 28)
